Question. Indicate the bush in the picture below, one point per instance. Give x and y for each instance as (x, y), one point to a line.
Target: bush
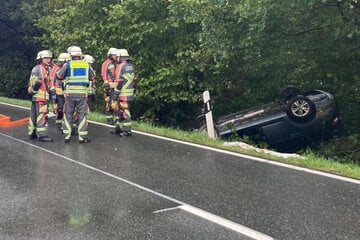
(342, 149)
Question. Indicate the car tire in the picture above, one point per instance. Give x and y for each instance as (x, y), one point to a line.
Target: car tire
(203, 129)
(199, 121)
(288, 93)
(300, 109)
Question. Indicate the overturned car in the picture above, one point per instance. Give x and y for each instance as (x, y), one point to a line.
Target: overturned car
(309, 116)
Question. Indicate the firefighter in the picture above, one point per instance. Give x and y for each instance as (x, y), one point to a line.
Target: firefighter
(39, 91)
(77, 76)
(124, 94)
(91, 94)
(108, 76)
(92, 87)
(56, 89)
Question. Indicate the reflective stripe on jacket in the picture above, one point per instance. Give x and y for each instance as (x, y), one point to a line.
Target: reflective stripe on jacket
(126, 84)
(56, 83)
(108, 72)
(39, 74)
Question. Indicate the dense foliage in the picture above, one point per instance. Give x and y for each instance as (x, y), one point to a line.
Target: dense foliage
(243, 51)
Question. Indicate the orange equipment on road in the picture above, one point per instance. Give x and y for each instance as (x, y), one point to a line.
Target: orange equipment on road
(6, 122)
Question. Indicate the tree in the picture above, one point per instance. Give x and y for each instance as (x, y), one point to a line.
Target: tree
(243, 50)
(18, 48)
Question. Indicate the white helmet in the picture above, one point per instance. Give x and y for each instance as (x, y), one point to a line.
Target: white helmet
(63, 57)
(89, 59)
(44, 54)
(124, 54)
(117, 52)
(112, 51)
(69, 48)
(75, 51)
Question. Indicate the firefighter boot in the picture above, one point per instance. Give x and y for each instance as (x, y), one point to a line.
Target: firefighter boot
(84, 140)
(33, 135)
(117, 130)
(45, 139)
(127, 133)
(110, 121)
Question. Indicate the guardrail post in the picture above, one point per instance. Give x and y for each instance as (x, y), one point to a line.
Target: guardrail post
(208, 115)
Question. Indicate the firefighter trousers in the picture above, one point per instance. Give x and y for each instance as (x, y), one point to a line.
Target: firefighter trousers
(124, 116)
(59, 108)
(109, 112)
(38, 118)
(78, 104)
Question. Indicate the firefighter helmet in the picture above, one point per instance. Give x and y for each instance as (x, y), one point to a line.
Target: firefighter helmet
(44, 54)
(112, 51)
(124, 54)
(75, 51)
(69, 48)
(89, 59)
(117, 52)
(63, 57)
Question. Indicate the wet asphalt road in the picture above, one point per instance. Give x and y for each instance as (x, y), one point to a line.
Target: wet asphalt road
(143, 187)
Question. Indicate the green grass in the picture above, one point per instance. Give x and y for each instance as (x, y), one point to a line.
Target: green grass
(19, 102)
(307, 160)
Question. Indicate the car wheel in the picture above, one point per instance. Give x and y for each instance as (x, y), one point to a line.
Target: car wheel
(288, 93)
(300, 109)
(203, 129)
(200, 120)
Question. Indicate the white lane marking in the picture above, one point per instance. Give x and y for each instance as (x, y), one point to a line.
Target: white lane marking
(225, 223)
(94, 169)
(219, 221)
(196, 211)
(302, 169)
(166, 210)
(13, 105)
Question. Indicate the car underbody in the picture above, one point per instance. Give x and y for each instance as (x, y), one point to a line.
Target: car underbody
(293, 116)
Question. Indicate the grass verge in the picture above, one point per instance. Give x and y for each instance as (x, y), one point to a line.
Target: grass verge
(307, 160)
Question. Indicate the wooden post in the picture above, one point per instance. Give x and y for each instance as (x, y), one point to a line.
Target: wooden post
(208, 115)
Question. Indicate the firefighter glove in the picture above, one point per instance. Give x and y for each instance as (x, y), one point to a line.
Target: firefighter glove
(92, 97)
(134, 82)
(106, 87)
(116, 95)
(30, 92)
(115, 105)
(37, 86)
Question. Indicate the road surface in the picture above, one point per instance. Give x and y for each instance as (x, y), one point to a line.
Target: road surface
(146, 187)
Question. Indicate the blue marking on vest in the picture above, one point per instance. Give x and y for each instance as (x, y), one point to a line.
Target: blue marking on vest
(68, 69)
(79, 71)
(79, 83)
